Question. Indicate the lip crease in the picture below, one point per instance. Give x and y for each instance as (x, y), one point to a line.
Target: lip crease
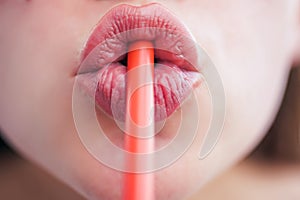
(102, 73)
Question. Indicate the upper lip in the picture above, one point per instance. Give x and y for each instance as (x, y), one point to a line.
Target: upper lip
(125, 23)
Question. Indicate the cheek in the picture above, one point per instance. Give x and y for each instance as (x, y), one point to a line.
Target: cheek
(37, 63)
(251, 53)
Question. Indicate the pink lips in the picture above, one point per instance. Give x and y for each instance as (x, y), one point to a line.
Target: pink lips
(102, 72)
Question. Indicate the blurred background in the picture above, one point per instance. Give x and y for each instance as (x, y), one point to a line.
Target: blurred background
(271, 171)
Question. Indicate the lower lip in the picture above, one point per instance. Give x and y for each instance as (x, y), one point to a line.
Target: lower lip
(171, 87)
(172, 84)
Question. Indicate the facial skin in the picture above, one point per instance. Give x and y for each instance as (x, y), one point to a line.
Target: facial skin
(250, 42)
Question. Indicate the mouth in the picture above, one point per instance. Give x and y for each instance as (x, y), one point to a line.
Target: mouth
(102, 73)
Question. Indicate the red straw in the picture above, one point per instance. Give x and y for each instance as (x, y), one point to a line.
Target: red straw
(140, 104)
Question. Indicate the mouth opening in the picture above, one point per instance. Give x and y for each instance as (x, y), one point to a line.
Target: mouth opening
(123, 59)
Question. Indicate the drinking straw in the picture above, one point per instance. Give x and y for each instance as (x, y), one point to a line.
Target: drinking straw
(139, 121)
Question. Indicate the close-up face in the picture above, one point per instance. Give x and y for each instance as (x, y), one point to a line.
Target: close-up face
(237, 52)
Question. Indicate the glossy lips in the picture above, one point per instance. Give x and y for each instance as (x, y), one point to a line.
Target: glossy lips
(102, 72)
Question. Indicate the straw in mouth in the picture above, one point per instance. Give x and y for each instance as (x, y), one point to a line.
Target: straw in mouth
(139, 123)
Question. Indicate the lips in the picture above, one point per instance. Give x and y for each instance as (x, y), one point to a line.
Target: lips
(102, 73)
